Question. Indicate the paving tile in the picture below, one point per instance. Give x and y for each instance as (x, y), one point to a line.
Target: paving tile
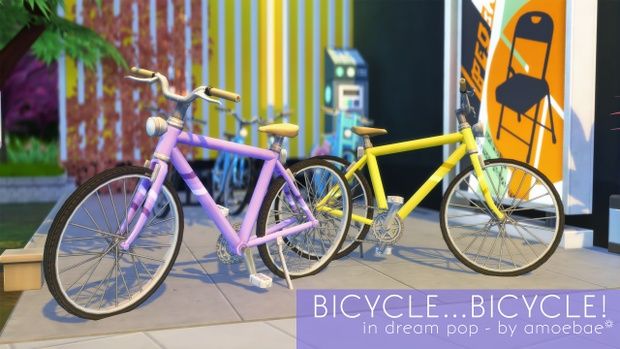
(187, 297)
(133, 340)
(279, 301)
(202, 291)
(256, 335)
(594, 265)
(53, 342)
(287, 325)
(443, 276)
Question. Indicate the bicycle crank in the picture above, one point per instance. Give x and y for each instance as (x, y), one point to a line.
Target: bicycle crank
(387, 233)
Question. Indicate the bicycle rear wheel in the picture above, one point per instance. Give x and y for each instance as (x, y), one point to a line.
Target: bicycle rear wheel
(86, 270)
(311, 250)
(237, 185)
(523, 240)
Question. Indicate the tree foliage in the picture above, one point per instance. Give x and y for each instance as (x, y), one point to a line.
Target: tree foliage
(60, 35)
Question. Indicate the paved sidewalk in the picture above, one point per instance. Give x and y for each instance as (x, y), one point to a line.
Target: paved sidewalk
(204, 301)
(273, 334)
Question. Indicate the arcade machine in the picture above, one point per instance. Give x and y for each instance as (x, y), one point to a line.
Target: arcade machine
(346, 101)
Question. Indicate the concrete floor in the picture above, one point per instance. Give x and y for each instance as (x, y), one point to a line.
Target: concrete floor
(202, 298)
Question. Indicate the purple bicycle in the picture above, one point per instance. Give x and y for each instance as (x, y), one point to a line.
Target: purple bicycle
(110, 246)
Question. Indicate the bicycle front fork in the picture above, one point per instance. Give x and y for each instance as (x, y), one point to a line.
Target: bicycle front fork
(147, 193)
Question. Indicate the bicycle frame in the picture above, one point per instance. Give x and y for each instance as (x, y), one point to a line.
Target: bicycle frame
(468, 146)
(167, 150)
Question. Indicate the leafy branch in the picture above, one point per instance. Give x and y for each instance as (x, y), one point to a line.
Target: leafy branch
(77, 41)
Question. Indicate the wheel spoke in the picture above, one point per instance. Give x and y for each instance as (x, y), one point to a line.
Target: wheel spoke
(94, 275)
(503, 254)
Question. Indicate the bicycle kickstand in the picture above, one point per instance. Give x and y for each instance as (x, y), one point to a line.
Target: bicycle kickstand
(361, 247)
(280, 242)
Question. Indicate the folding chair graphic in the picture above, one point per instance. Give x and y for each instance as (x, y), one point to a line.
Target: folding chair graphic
(521, 92)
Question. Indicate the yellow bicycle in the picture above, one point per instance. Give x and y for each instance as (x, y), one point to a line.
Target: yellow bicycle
(499, 217)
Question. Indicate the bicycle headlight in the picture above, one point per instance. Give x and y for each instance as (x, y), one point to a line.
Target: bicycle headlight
(156, 126)
(347, 133)
(243, 132)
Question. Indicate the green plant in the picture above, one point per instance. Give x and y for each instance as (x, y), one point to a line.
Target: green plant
(60, 35)
(30, 170)
(34, 25)
(31, 151)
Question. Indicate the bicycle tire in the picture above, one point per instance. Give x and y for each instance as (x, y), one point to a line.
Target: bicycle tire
(62, 219)
(276, 187)
(474, 266)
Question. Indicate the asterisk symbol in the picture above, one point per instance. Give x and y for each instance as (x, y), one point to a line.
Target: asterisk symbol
(609, 323)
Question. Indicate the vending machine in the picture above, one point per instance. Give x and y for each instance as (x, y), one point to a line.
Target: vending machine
(346, 100)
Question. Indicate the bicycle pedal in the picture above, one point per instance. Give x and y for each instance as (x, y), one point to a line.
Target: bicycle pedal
(260, 280)
(387, 251)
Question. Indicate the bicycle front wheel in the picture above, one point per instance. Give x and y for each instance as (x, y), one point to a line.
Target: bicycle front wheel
(362, 206)
(309, 251)
(86, 270)
(519, 243)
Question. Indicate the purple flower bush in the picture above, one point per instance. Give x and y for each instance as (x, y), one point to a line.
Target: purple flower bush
(30, 100)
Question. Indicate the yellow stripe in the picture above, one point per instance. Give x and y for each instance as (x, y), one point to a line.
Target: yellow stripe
(350, 29)
(322, 44)
(262, 62)
(70, 10)
(308, 51)
(278, 61)
(293, 81)
(338, 22)
(246, 62)
(70, 64)
(197, 114)
(230, 58)
(70, 77)
(214, 123)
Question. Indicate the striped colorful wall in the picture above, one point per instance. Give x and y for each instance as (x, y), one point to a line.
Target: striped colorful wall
(269, 51)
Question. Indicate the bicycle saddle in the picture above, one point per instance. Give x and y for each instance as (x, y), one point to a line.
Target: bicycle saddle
(283, 130)
(368, 131)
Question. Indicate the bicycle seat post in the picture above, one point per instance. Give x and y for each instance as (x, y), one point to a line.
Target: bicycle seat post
(367, 142)
(277, 147)
(277, 144)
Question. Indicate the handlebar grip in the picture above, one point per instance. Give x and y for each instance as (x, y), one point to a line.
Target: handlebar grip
(462, 85)
(216, 92)
(144, 72)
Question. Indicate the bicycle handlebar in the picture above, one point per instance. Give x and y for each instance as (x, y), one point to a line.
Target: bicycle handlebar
(462, 85)
(204, 92)
(335, 111)
(216, 92)
(466, 107)
(254, 120)
(144, 72)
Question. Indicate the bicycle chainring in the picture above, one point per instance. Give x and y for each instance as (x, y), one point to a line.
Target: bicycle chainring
(387, 233)
(224, 252)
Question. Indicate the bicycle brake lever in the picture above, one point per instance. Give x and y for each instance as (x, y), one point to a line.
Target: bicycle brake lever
(207, 98)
